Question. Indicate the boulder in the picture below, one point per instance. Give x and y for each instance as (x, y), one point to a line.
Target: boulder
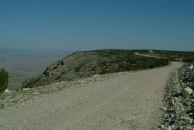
(169, 128)
(7, 91)
(26, 89)
(191, 67)
(186, 91)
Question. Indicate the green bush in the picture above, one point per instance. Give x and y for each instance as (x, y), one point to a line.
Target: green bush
(30, 83)
(3, 80)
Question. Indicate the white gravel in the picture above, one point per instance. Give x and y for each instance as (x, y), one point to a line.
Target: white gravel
(123, 101)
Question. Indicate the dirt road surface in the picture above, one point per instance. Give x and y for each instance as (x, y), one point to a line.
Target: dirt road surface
(123, 101)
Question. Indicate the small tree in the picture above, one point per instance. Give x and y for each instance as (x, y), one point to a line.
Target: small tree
(4, 77)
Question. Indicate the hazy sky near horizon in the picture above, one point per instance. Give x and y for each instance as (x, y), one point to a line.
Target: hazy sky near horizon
(95, 24)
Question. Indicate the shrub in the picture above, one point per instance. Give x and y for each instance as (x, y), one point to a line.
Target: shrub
(3, 80)
(30, 83)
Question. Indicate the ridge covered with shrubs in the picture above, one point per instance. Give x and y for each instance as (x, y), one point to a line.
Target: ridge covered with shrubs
(87, 63)
(183, 56)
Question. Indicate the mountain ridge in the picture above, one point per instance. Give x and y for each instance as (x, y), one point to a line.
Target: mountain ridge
(83, 64)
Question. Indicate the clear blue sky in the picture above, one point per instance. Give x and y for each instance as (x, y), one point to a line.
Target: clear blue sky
(94, 24)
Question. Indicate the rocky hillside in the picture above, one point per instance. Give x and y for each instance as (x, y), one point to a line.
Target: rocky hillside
(84, 64)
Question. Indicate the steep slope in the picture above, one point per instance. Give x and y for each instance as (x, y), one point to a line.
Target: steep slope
(87, 63)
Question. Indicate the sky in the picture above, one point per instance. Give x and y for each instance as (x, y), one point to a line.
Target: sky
(97, 24)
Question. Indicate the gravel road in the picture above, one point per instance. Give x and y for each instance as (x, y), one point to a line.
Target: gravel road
(122, 101)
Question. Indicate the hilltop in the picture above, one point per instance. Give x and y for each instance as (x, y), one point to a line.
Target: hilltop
(84, 64)
(87, 63)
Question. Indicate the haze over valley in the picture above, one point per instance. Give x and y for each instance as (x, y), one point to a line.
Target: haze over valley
(23, 64)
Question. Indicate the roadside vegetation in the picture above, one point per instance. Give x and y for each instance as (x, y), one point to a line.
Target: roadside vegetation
(3, 80)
